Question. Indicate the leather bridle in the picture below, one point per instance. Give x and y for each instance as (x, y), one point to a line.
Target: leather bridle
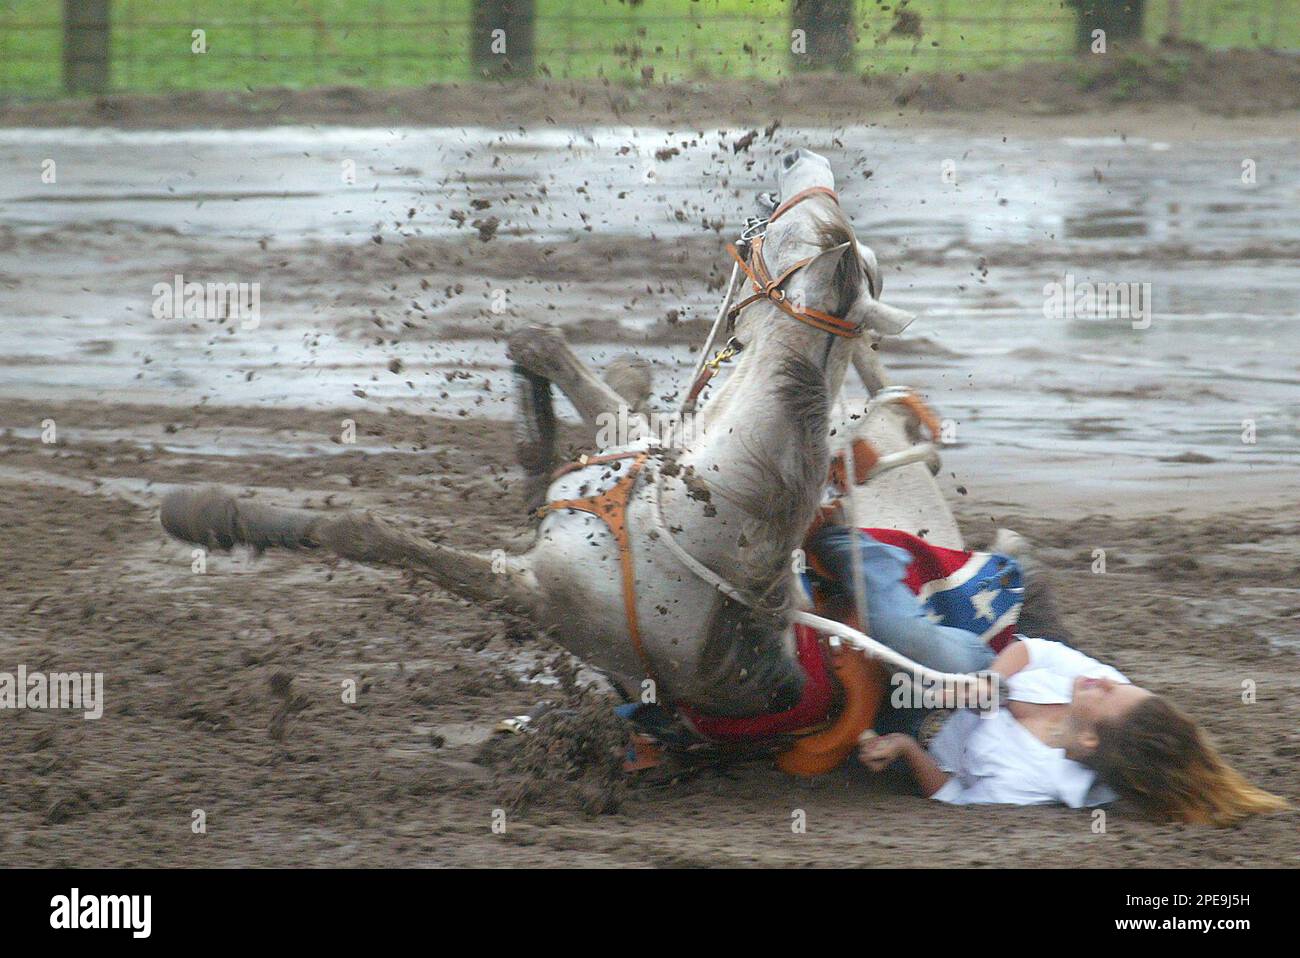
(771, 288)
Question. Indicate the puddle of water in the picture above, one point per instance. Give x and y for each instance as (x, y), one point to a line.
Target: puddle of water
(228, 441)
(1220, 351)
(1249, 602)
(295, 181)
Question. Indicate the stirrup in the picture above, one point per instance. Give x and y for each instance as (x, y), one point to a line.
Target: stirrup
(927, 452)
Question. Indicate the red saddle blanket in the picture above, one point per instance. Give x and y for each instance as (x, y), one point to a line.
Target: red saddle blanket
(813, 706)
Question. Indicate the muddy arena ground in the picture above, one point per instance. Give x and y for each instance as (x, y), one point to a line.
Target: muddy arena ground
(223, 689)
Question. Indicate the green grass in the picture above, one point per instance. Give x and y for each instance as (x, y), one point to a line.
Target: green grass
(1227, 24)
(301, 43)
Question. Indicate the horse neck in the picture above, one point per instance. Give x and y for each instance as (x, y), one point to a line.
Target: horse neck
(776, 341)
(761, 451)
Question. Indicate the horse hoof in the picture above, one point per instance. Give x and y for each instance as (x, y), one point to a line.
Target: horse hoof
(1008, 542)
(536, 347)
(631, 377)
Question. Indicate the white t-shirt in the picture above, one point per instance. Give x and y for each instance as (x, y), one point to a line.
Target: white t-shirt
(997, 761)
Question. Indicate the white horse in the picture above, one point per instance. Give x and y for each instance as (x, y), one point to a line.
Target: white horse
(673, 565)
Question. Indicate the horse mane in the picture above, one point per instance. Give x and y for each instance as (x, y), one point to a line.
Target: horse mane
(829, 230)
(794, 479)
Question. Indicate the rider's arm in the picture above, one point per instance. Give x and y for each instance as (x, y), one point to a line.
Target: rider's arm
(925, 770)
(878, 752)
(1011, 659)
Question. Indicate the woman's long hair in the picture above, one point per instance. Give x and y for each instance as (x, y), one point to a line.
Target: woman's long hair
(1160, 759)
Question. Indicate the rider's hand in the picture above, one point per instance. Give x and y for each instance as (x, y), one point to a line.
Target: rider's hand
(878, 752)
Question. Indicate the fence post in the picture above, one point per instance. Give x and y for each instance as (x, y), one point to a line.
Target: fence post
(828, 35)
(1120, 19)
(501, 37)
(1174, 21)
(85, 46)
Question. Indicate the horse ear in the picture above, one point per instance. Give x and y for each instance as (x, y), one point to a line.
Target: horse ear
(877, 316)
(869, 309)
(872, 269)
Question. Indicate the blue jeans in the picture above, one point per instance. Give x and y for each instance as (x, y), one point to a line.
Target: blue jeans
(896, 619)
(895, 616)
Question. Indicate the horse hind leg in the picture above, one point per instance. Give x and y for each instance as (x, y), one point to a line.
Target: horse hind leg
(633, 379)
(214, 518)
(542, 358)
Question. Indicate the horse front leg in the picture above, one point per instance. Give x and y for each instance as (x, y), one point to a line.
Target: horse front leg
(534, 433)
(866, 360)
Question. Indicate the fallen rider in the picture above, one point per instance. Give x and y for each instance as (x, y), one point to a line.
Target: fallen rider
(1063, 728)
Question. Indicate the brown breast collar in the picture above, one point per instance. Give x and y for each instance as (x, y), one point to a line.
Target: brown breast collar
(610, 507)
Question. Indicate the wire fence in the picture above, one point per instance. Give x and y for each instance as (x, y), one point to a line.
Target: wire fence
(161, 45)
